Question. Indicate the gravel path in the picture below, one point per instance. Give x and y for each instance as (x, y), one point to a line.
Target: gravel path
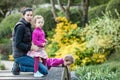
(8, 64)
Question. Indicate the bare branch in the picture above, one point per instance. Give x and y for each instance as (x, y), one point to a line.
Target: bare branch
(61, 6)
(1, 12)
(68, 4)
(53, 9)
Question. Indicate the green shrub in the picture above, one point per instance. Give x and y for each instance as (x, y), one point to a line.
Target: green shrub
(94, 3)
(76, 16)
(48, 17)
(96, 11)
(112, 6)
(115, 56)
(106, 29)
(5, 48)
(7, 25)
(2, 67)
(1, 18)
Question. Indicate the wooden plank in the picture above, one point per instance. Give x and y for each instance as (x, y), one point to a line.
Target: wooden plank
(11, 75)
(58, 73)
(6, 74)
(55, 73)
(22, 78)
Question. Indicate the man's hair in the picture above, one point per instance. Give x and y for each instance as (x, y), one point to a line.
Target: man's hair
(24, 10)
(69, 58)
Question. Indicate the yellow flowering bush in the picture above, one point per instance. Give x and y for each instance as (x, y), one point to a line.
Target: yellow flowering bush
(99, 58)
(70, 39)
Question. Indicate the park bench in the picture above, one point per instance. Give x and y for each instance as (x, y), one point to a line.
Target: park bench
(55, 73)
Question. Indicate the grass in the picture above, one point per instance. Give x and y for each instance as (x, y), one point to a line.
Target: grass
(2, 66)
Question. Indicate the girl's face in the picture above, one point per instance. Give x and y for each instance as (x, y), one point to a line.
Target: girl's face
(39, 23)
(67, 63)
(28, 16)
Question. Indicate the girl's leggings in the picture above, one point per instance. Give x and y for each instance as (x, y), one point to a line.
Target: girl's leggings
(36, 63)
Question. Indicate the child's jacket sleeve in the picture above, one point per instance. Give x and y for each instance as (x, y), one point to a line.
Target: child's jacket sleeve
(54, 62)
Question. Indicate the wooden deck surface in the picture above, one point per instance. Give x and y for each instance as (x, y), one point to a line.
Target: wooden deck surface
(7, 75)
(55, 73)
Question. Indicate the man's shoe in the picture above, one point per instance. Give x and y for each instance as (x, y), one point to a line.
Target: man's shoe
(15, 69)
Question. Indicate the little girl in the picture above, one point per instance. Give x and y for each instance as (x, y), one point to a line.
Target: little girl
(55, 62)
(38, 41)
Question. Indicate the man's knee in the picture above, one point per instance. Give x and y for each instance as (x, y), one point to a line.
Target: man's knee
(44, 71)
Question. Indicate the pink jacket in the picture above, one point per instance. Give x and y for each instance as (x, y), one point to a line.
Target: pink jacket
(53, 62)
(38, 37)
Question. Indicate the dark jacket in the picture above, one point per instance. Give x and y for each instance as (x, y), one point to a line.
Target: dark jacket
(22, 37)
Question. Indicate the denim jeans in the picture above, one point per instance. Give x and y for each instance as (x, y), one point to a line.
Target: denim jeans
(27, 65)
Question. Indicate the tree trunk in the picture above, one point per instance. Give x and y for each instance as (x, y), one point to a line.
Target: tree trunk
(85, 5)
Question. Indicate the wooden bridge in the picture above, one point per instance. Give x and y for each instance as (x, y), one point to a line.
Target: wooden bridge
(55, 73)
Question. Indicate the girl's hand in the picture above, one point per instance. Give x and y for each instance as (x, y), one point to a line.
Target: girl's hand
(35, 48)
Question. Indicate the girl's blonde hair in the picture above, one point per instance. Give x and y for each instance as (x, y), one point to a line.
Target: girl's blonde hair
(35, 18)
